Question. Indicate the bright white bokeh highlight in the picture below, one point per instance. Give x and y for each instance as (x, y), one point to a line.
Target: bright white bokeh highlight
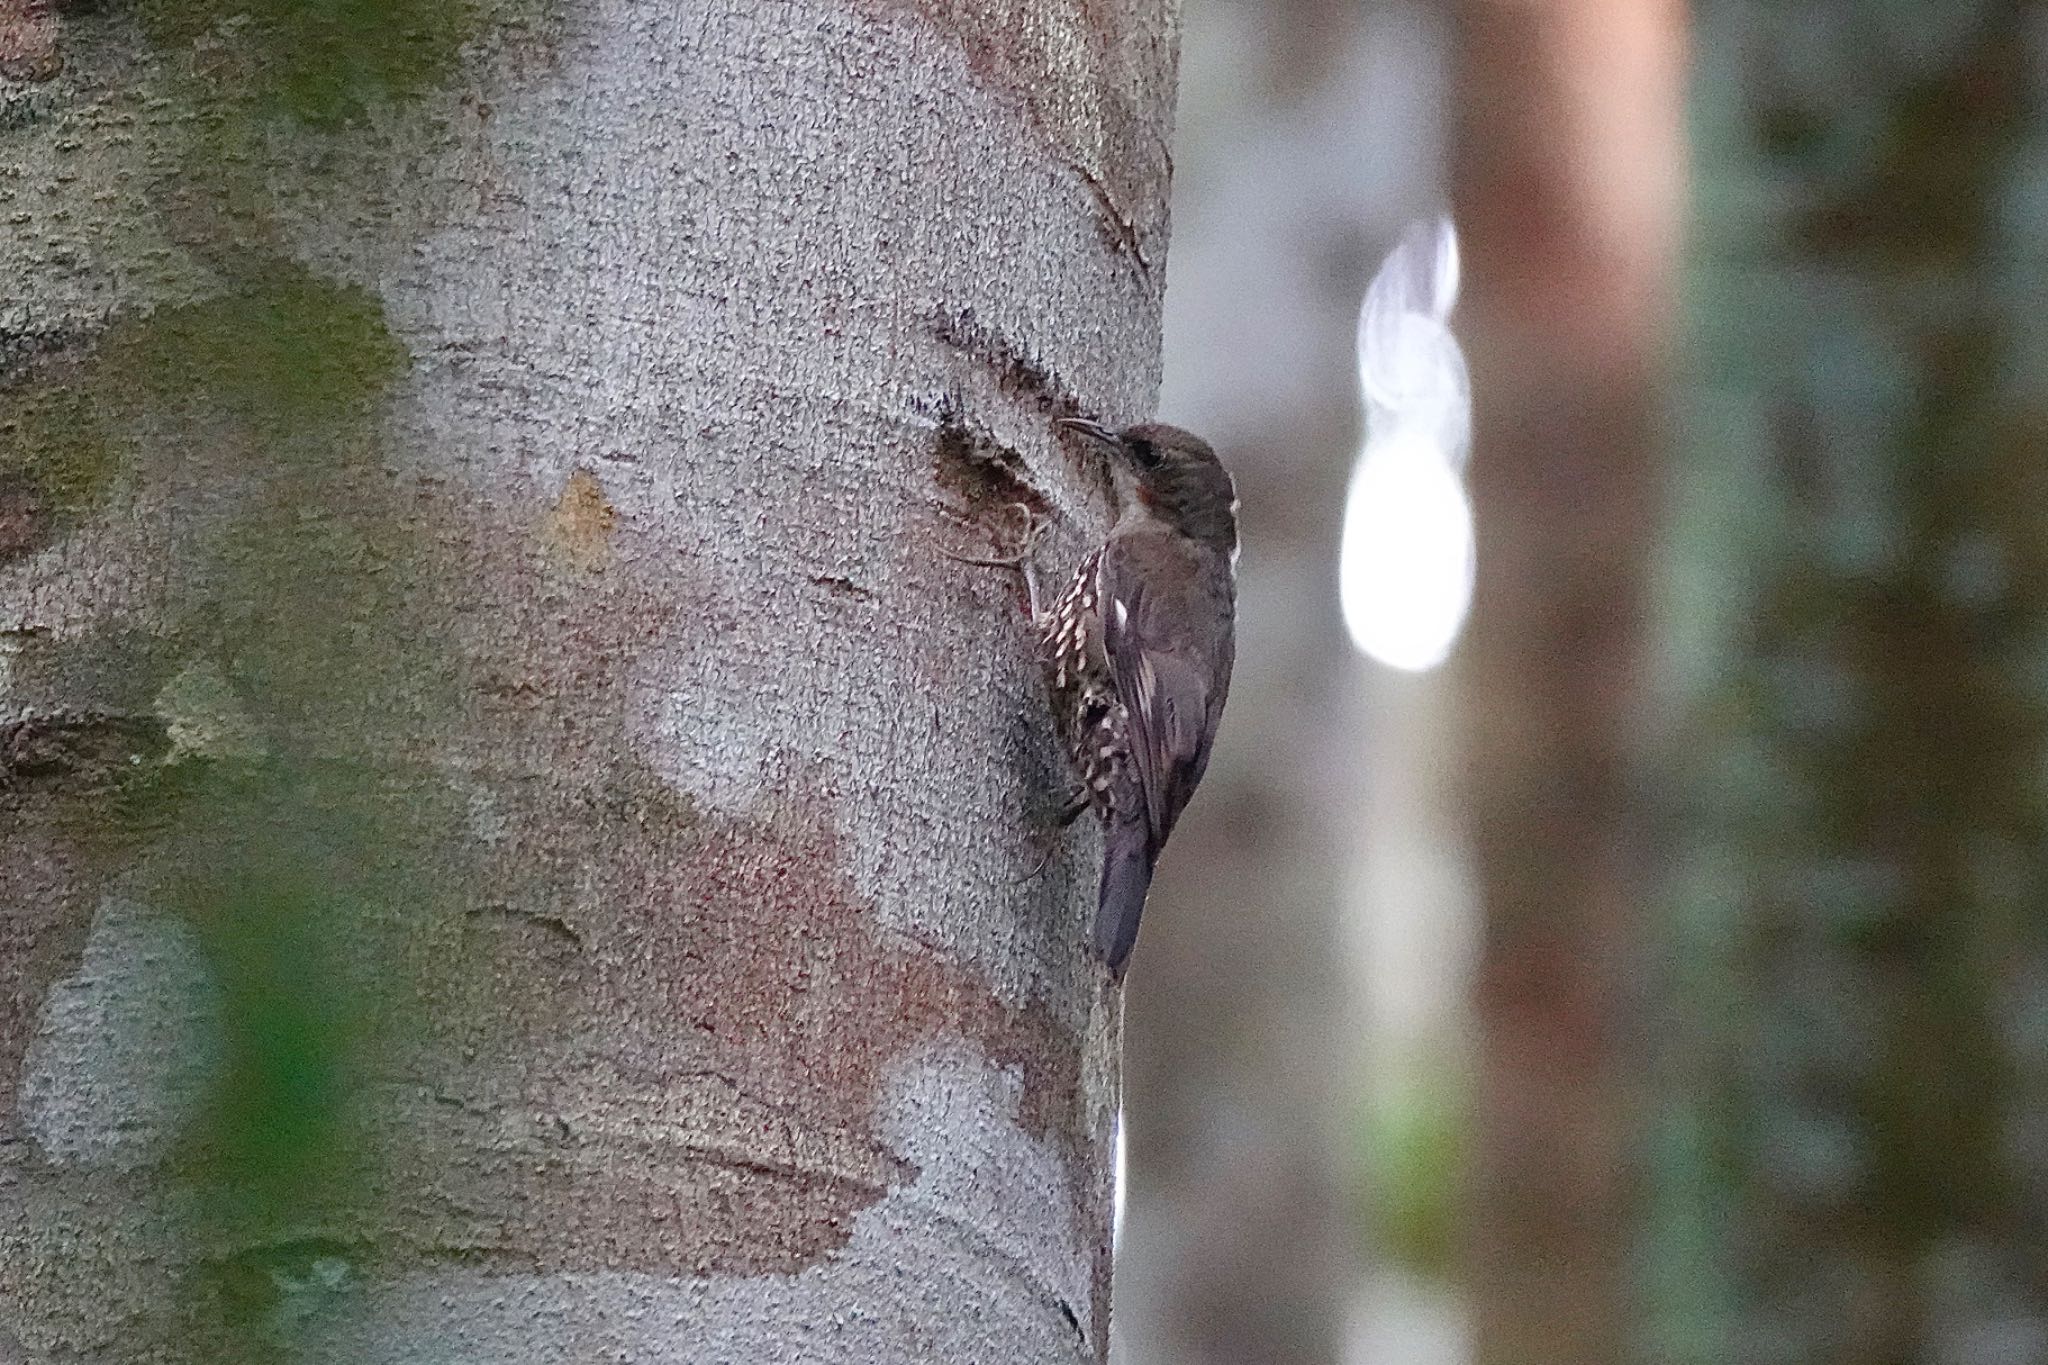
(1405, 578)
(1116, 1217)
(1406, 565)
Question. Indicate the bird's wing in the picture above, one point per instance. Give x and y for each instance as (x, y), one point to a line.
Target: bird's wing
(1169, 653)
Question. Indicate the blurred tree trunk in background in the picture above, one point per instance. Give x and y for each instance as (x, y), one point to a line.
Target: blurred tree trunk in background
(1305, 138)
(1566, 150)
(513, 838)
(1854, 1152)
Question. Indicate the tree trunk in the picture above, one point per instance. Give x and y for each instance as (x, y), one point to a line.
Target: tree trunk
(1566, 148)
(514, 835)
(1855, 1151)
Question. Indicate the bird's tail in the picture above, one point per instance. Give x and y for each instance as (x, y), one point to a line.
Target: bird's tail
(1126, 876)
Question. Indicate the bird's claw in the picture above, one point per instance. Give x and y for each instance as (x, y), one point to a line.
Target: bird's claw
(1034, 531)
(1069, 811)
(1020, 561)
(1045, 858)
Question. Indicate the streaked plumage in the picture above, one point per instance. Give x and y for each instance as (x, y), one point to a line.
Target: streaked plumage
(1138, 652)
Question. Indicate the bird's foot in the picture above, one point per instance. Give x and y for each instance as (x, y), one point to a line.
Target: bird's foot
(1019, 560)
(1034, 531)
(1045, 857)
(1069, 811)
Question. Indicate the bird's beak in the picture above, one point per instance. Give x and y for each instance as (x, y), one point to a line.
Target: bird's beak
(1094, 431)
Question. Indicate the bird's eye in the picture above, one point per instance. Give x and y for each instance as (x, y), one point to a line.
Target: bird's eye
(1142, 451)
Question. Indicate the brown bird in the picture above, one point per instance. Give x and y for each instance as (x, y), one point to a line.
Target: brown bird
(1137, 653)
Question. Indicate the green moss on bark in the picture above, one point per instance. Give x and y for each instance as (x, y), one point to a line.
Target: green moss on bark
(283, 350)
(320, 61)
(51, 436)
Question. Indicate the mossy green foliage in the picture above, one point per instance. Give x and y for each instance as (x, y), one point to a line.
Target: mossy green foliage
(273, 928)
(274, 857)
(283, 351)
(323, 61)
(290, 863)
(309, 860)
(298, 861)
(1862, 771)
(298, 876)
(307, 865)
(52, 439)
(307, 881)
(305, 860)
(1411, 1150)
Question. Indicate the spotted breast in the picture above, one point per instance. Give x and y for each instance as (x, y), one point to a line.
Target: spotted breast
(1092, 722)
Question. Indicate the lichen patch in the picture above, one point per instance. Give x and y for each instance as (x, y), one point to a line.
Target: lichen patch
(203, 716)
(579, 526)
(125, 1047)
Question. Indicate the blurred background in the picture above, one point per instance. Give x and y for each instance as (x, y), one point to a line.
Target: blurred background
(1653, 964)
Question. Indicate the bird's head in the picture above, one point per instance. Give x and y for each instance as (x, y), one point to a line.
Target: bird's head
(1170, 474)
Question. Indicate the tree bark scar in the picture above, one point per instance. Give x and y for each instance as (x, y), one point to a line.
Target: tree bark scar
(1085, 94)
(85, 750)
(978, 468)
(1116, 226)
(841, 586)
(1022, 377)
(1020, 373)
(553, 926)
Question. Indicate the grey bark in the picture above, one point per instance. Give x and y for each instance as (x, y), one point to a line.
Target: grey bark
(513, 834)
(1854, 1160)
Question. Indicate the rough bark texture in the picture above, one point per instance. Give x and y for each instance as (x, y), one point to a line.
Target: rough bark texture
(513, 835)
(1854, 1146)
(1565, 148)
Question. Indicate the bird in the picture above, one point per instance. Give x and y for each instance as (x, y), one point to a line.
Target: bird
(1137, 651)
